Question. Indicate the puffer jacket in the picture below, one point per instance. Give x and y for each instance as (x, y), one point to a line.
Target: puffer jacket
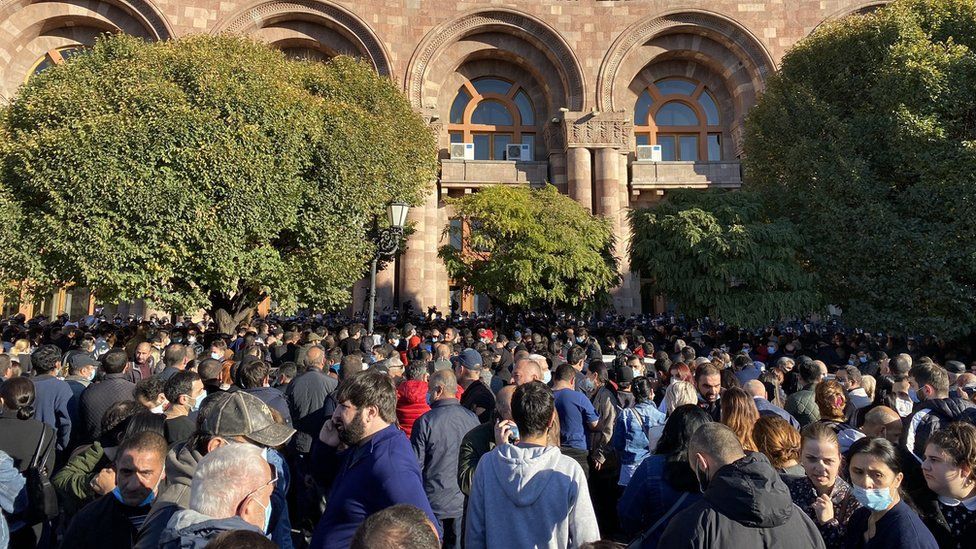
(931, 416)
(411, 404)
(188, 529)
(745, 505)
(803, 406)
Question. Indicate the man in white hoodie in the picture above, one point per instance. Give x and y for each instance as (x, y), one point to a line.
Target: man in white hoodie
(528, 494)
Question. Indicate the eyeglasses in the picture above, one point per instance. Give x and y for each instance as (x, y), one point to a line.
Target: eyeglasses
(272, 482)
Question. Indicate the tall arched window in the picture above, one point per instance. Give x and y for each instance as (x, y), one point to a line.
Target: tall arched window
(56, 56)
(682, 116)
(492, 113)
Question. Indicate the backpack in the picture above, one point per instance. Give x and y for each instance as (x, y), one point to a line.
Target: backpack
(42, 499)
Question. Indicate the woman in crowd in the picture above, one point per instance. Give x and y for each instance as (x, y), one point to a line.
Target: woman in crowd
(740, 414)
(678, 394)
(831, 400)
(869, 383)
(664, 483)
(820, 492)
(780, 442)
(630, 432)
(949, 507)
(24, 439)
(885, 520)
(774, 387)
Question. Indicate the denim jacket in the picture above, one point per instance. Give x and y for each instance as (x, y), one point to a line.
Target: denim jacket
(630, 436)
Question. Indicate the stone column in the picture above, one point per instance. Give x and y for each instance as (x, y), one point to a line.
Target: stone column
(579, 176)
(557, 171)
(414, 256)
(607, 186)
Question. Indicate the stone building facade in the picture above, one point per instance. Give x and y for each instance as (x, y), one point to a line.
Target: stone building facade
(583, 83)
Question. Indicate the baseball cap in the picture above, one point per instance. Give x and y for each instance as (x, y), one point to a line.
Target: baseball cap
(625, 374)
(80, 360)
(245, 415)
(470, 359)
(955, 367)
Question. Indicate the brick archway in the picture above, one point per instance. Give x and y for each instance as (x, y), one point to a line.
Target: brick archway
(536, 40)
(310, 23)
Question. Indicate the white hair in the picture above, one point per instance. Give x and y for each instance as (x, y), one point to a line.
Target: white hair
(224, 476)
(679, 393)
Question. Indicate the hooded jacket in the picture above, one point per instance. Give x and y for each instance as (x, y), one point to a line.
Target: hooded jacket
(411, 403)
(529, 497)
(745, 505)
(933, 415)
(188, 529)
(174, 495)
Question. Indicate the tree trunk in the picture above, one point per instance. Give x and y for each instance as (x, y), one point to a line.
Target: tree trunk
(227, 321)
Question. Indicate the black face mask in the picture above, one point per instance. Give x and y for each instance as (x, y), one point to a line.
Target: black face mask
(701, 477)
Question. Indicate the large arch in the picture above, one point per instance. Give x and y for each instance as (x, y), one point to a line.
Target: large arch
(698, 45)
(313, 24)
(32, 28)
(861, 7)
(516, 36)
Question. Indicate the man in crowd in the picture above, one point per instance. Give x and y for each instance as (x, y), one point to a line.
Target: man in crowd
(396, 526)
(849, 378)
(757, 390)
(529, 494)
(708, 381)
(435, 438)
(936, 407)
(254, 376)
(231, 490)
(481, 440)
(142, 365)
(526, 370)
(801, 404)
(51, 394)
(113, 520)
(476, 397)
(175, 358)
(184, 392)
(99, 397)
(745, 503)
(374, 468)
(576, 413)
(307, 396)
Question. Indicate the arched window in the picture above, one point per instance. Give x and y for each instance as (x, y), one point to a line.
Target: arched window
(56, 56)
(492, 113)
(682, 116)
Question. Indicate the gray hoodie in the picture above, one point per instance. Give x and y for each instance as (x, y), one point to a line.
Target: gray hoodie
(188, 529)
(529, 497)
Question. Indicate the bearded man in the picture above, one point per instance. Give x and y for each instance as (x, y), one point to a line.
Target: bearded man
(369, 461)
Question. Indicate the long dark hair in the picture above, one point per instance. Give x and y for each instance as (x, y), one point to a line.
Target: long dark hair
(884, 451)
(678, 430)
(18, 395)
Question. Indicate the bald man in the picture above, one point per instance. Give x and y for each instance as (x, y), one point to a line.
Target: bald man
(882, 421)
(526, 370)
(757, 390)
(307, 396)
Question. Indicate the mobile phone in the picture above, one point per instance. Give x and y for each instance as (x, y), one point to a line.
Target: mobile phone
(513, 434)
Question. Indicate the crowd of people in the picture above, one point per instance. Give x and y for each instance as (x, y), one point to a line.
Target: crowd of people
(504, 432)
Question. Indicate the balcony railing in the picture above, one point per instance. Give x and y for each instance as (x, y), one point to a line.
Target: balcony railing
(473, 174)
(659, 176)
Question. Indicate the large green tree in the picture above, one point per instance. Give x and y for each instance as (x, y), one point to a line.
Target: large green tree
(531, 248)
(715, 253)
(866, 139)
(208, 172)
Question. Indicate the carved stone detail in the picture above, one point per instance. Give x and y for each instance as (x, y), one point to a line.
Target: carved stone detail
(368, 43)
(599, 130)
(145, 11)
(449, 33)
(644, 31)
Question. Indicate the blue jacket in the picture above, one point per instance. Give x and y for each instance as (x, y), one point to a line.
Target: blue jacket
(647, 498)
(436, 439)
(767, 408)
(378, 473)
(51, 406)
(188, 529)
(274, 399)
(12, 494)
(630, 436)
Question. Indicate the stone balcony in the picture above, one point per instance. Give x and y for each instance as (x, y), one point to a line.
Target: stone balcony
(474, 174)
(661, 176)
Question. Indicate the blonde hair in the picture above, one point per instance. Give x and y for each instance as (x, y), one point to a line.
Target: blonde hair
(679, 393)
(869, 384)
(21, 347)
(740, 414)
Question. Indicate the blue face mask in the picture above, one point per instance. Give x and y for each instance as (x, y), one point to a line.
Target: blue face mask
(863, 359)
(144, 503)
(428, 399)
(877, 499)
(198, 401)
(771, 350)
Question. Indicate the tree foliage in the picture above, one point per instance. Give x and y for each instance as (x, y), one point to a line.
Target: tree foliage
(531, 248)
(208, 172)
(866, 139)
(715, 253)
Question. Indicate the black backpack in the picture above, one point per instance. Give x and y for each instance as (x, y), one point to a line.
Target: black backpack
(42, 499)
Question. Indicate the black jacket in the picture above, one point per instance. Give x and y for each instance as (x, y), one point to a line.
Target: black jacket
(104, 524)
(98, 398)
(19, 438)
(932, 415)
(307, 395)
(745, 505)
(932, 513)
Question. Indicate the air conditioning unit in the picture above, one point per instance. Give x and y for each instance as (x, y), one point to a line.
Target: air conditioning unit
(648, 153)
(519, 152)
(462, 151)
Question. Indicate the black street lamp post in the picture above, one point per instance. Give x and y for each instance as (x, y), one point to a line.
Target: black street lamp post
(387, 243)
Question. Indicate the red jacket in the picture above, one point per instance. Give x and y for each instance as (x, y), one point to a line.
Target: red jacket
(411, 403)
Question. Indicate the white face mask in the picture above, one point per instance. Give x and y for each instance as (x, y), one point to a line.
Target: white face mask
(157, 409)
(546, 376)
(217, 356)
